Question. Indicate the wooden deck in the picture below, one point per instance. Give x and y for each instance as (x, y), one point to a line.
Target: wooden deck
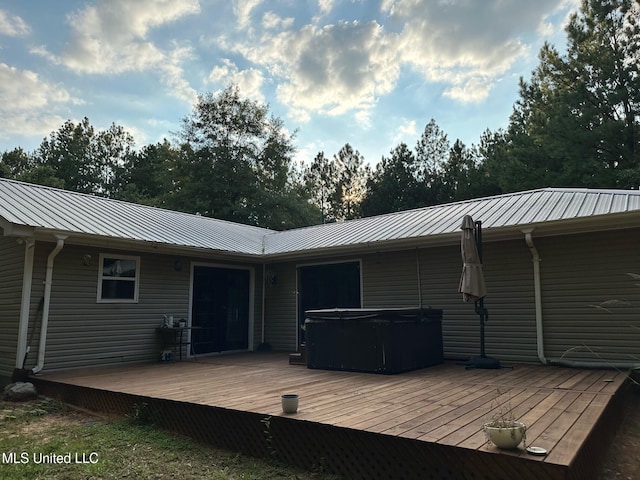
(421, 424)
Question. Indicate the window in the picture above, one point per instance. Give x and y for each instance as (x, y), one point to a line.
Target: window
(118, 279)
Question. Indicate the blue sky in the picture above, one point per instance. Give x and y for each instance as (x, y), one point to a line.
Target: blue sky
(371, 73)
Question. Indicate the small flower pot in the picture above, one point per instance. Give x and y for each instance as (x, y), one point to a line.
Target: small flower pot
(505, 437)
(289, 403)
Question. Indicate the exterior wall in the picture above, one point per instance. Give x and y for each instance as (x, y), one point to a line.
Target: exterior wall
(280, 329)
(11, 265)
(82, 332)
(431, 276)
(579, 273)
(510, 329)
(392, 280)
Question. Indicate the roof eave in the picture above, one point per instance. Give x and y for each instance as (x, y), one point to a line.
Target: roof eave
(616, 221)
(99, 241)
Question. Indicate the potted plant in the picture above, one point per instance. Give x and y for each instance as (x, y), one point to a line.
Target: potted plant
(503, 430)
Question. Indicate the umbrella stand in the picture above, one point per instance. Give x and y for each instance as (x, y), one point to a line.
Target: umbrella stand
(482, 361)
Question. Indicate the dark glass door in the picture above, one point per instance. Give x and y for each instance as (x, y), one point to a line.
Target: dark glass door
(220, 307)
(335, 285)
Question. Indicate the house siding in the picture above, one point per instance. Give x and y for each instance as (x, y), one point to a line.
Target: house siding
(509, 301)
(11, 265)
(579, 273)
(391, 279)
(82, 332)
(281, 294)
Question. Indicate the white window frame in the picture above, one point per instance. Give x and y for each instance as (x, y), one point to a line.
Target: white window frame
(135, 279)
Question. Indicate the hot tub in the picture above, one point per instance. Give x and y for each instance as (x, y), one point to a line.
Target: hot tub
(389, 340)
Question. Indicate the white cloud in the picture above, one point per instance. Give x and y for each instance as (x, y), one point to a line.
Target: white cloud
(111, 37)
(248, 81)
(346, 67)
(12, 25)
(173, 74)
(406, 129)
(26, 103)
(325, 6)
(331, 70)
(243, 9)
(272, 21)
(466, 45)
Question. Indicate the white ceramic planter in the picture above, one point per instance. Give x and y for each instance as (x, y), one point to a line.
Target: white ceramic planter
(289, 403)
(506, 437)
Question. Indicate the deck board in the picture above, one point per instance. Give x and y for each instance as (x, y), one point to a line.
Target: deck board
(444, 404)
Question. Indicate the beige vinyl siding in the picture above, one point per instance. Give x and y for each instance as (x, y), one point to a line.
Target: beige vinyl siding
(83, 332)
(511, 328)
(11, 265)
(580, 272)
(391, 280)
(281, 307)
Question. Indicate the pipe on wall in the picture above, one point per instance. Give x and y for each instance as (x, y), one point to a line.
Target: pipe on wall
(48, 281)
(537, 288)
(561, 362)
(27, 280)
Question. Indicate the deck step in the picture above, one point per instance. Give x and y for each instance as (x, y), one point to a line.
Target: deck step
(298, 358)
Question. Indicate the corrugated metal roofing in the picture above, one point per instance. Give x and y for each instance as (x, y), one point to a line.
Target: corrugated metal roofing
(58, 210)
(503, 211)
(63, 211)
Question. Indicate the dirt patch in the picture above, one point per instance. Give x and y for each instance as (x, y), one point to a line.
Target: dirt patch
(623, 457)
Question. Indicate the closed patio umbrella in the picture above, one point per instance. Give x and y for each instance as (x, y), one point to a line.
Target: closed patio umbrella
(472, 285)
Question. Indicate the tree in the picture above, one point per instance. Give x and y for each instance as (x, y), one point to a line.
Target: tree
(351, 176)
(577, 119)
(337, 186)
(320, 183)
(236, 164)
(394, 185)
(147, 175)
(15, 163)
(82, 159)
(432, 150)
(463, 175)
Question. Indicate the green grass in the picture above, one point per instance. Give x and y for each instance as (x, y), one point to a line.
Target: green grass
(115, 449)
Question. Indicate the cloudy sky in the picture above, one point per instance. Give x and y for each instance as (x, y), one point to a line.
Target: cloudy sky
(371, 73)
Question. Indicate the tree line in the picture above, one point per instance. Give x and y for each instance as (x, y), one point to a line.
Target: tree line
(576, 123)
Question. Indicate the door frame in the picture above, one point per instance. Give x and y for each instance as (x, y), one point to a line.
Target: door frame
(251, 306)
(313, 264)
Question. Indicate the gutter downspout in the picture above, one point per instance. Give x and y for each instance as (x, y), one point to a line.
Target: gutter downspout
(27, 280)
(537, 288)
(540, 332)
(47, 299)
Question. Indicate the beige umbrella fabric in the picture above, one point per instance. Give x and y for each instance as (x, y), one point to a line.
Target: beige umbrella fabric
(472, 284)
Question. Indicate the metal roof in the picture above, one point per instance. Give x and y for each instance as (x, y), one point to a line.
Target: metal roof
(47, 209)
(51, 209)
(503, 212)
